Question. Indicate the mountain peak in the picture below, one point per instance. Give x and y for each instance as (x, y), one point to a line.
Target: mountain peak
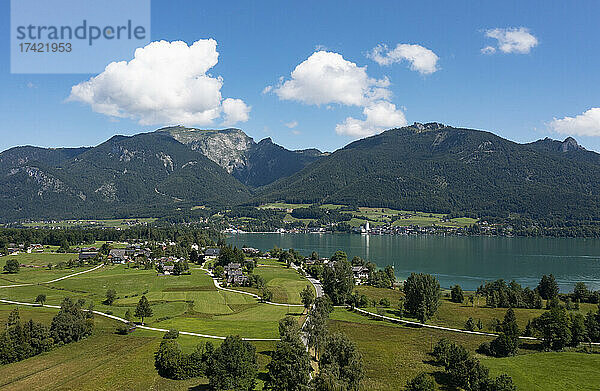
(428, 126)
(548, 144)
(570, 144)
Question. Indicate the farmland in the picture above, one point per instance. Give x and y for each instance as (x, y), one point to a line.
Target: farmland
(392, 353)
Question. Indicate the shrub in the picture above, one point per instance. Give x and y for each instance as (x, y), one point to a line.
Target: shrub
(422, 382)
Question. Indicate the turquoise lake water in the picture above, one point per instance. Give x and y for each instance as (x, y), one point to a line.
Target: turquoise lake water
(464, 260)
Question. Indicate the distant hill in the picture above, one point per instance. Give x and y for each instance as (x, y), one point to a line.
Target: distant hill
(434, 167)
(253, 164)
(137, 175)
(430, 167)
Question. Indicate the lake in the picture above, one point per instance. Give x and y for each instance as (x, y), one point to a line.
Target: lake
(464, 260)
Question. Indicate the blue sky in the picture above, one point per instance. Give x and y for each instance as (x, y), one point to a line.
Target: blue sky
(516, 94)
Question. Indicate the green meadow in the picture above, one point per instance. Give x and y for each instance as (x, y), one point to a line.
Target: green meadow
(392, 353)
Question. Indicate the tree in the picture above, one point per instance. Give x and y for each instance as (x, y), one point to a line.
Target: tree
(128, 315)
(553, 326)
(338, 279)
(456, 294)
(111, 296)
(342, 360)
(219, 271)
(104, 249)
(289, 329)
(229, 255)
(233, 366)
(422, 382)
(13, 318)
(12, 266)
(578, 330)
(507, 343)
(178, 268)
(581, 292)
(468, 373)
(470, 324)
(290, 367)
(194, 256)
(548, 287)
(64, 247)
(316, 330)
(287, 258)
(265, 294)
(423, 294)
(308, 297)
(167, 358)
(172, 363)
(143, 309)
(71, 324)
(501, 383)
(41, 298)
(323, 305)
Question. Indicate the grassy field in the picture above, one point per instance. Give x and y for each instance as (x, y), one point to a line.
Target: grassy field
(455, 314)
(549, 371)
(186, 302)
(286, 284)
(393, 354)
(380, 216)
(114, 223)
(104, 361)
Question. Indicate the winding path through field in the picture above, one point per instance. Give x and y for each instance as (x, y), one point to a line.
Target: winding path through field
(116, 317)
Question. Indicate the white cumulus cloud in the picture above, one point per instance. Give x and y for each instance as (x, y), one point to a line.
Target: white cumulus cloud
(420, 58)
(291, 124)
(326, 77)
(165, 83)
(511, 40)
(235, 111)
(379, 116)
(586, 124)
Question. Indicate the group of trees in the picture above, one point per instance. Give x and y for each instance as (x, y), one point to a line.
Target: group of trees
(340, 362)
(231, 366)
(289, 369)
(181, 234)
(465, 371)
(499, 294)
(323, 216)
(20, 341)
(558, 329)
(229, 254)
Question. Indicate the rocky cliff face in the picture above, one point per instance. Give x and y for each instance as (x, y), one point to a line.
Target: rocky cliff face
(228, 148)
(254, 164)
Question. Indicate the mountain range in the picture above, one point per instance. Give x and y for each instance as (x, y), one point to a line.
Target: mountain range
(427, 167)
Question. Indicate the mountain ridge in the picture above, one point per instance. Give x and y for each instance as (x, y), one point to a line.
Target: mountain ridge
(427, 167)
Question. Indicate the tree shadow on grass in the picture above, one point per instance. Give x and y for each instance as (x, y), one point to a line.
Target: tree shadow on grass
(443, 379)
(200, 387)
(263, 376)
(531, 346)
